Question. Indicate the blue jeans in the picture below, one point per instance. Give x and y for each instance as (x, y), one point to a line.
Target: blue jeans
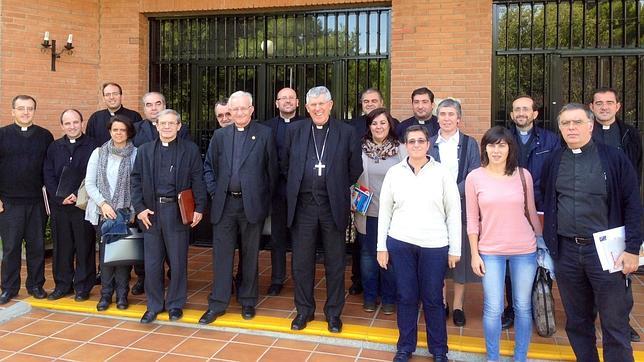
(522, 272)
(419, 274)
(376, 281)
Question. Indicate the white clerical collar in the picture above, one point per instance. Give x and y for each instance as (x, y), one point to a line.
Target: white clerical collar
(24, 129)
(421, 122)
(287, 120)
(113, 113)
(241, 129)
(72, 140)
(605, 126)
(576, 151)
(319, 127)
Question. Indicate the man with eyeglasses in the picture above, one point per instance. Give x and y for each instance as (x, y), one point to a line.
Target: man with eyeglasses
(163, 169)
(422, 103)
(287, 104)
(535, 145)
(97, 123)
(146, 131)
(320, 160)
(224, 118)
(611, 130)
(23, 148)
(240, 173)
(589, 187)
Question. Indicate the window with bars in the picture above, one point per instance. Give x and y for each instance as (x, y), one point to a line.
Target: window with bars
(195, 61)
(559, 51)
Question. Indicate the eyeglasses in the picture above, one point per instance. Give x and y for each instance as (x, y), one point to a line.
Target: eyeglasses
(113, 94)
(22, 109)
(289, 98)
(574, 122)
(239, 109)
(420, 141)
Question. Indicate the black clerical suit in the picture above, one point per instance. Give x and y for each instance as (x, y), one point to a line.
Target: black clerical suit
(72, 234)
(431, 125)
(280, 235)
(240, 171)
(319, 204)
(160, 172)
(97, 123)
(21, 178)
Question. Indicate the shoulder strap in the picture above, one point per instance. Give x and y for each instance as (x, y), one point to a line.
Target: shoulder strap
(525, 197)
(462, 159)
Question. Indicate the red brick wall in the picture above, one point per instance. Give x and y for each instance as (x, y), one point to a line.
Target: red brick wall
(448, 50)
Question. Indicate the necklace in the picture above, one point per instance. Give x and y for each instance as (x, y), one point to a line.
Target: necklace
(319, 166)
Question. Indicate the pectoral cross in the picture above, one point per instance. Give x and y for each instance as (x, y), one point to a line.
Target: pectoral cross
(320, 166)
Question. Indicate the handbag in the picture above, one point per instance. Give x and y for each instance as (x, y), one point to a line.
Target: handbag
(127, 250)
(543, 304)
(82, 197)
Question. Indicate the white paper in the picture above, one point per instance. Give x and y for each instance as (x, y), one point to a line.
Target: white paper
(610, 245)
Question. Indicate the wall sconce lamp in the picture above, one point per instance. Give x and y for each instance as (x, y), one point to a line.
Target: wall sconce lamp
(46, 44)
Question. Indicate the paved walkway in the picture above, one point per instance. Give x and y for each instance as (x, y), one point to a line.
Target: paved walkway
(46, 334)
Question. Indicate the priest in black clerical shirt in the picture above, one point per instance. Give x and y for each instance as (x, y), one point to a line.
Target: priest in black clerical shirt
(162, 170)
(422, 102)
(97, 123)
(287, 104)
(74, 262)
(23, 146)
(321, 160)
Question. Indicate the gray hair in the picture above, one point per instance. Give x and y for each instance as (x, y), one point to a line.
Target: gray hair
(574, 107)
(416, 128)
(241, 94)
(318, 91)
(221, 102)
(452, 103)
(151, 93)
(170, 111)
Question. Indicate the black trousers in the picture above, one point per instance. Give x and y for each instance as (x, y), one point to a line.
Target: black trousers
(20, 222)
(311, 218)
(113, 278)
(232, 223)
(280, 238)
(74, 243)
(167, 237)
(585, 289)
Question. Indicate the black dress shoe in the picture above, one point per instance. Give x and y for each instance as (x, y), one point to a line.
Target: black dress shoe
(81, 297)
(274, 289)
(507, 319)
(103, 303)
(148, 317)
(459, 317)
(300, 322)
(635, 337)
(59, 293)
(98, 278)
(139, 287)
(37, 292)
(355, 288)
(248, 312)
(122, 303)
(175, 314)
(442, 358)
(402, 356)
(334, 324)
(210, 316)
(5, 297)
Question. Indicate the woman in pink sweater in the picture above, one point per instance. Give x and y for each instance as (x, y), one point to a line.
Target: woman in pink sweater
(499, 230)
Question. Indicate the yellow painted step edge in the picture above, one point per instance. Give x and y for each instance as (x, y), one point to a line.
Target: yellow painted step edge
(316, 328)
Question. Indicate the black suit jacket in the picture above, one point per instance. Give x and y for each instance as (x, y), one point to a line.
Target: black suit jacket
(343, 166)
(189, 174)
(273, 122)
(258, 170)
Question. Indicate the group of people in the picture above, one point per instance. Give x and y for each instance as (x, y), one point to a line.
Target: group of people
(441, 206)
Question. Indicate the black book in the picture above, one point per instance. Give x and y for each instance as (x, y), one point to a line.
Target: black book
(70, 180)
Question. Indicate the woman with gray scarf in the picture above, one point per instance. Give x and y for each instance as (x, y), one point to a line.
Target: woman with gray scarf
(108, 187)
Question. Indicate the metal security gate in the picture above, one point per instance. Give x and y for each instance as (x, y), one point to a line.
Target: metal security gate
(559, 51)
(195, 61)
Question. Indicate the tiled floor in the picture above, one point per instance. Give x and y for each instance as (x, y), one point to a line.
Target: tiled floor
(49, 335)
